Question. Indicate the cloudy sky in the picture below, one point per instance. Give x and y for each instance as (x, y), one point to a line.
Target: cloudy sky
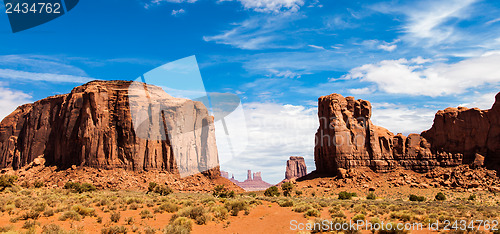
(409, 58)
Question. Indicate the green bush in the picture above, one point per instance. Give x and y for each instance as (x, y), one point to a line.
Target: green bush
(146, 214)
(70, 215)
(287, 188)
(272, 192)
(7, 181)
(440, 196)
(169, 207)
(414, 197)
(285, 203)
(114, 230)
(220, 212)
(371, 196)
(472, 197)
(180, 225)
(162, 189)
(346, 195)
(358, 217)
(79, 188)
(115, 217)
(222, 192)
(312, 213)
(235, 206)
(83, 211)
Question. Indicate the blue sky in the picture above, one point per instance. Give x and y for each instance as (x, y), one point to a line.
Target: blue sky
(409, 58)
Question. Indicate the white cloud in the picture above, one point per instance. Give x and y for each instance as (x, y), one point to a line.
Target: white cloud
(413, 78)
(271, 5)
(275, 132)
(178, 12)
(256, 33)
(365, 90)
(10, 100)
(316, 47)
(401, 118)
(482, 101)
(152, 3)
(429, 21)
(49, 77)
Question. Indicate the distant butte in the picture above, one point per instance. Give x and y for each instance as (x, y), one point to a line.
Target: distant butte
(253, 182)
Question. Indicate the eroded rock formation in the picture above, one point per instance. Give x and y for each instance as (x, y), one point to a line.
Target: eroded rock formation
(295, 168)
(93, 126)
(346, 138)
(253, 182)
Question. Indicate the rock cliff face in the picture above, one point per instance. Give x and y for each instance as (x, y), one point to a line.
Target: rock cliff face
(295, 168)
(94, 126)
(346, 138)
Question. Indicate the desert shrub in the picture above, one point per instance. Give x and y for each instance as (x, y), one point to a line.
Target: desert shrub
(129, 220)
(222, 192)
(115, 217)
(358, 217)
(319, 227)
(220, 212)
(198, 213)
(7, 228)
(163, 190)
(180, 225)
(298, 192)
(30, 224)
(70, 215)
(32, 214)
(338, 214)
(344, 195)
(146, 214)
(169, 207)
(7, 181)
(134, 206)
(79, 188)
(403, 215)
(371, 196)
(272, 192)
(235, 206)
(440, 196)
(312, 213)
(38, 184)
(287, 188)
(48, 213)
(83, 211)
(472, 197)
(414, 197)
(301, 207)
(285, 203)
(40, 206)
(52, 229)
(132, 200)
(114, 230)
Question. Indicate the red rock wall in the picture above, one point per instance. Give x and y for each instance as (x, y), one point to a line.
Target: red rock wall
(346, 138)
(92, 126)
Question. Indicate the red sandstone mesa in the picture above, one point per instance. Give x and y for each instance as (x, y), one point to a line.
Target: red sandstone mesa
(93, 126)
(253, 182)
(295, 168)
(346, 138)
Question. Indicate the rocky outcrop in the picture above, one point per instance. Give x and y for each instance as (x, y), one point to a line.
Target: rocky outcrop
(112, 124)
(295, 168)
(346, 138)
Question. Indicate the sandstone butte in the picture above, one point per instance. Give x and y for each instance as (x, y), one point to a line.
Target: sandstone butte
(253, 182)
(295, 168)
(347, 139)
(93, 126)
